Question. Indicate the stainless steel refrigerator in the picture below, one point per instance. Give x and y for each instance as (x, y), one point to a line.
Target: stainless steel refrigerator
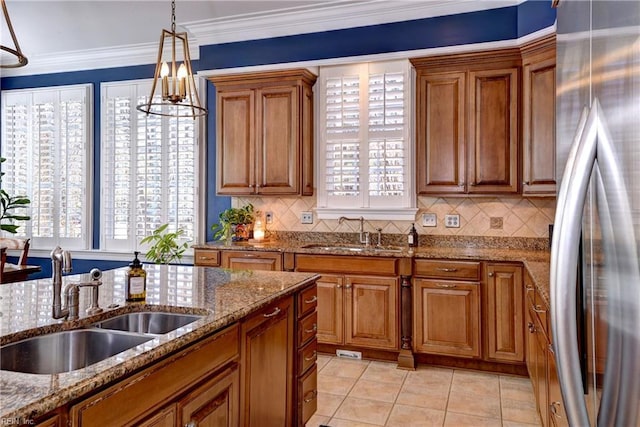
(595, 272)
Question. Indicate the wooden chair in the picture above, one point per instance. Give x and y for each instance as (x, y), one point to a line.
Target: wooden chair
(16, 244)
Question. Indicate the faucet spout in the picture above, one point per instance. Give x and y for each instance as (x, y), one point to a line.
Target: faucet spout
(60, 263)
(364, 236)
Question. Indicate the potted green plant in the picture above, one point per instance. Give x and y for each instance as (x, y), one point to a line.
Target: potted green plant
(165, 248)
(8, 206)
(234, 224)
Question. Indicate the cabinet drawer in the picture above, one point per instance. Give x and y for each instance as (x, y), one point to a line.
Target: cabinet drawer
(465, 270)
(307, 328)
(307, 356)
(347, 264)
(252, 260)
(307, 301)
(308, 394)
(205, 257)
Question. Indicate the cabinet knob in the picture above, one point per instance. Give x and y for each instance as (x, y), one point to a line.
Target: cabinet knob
(338, 286)
(531, 327)
(525, 183)
(491, 274)
(348, 287)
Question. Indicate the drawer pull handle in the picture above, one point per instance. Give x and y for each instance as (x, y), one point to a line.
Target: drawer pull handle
(310, 396)
(314, 328)
(443, 286)
(529, 289)
(539, 309)
(250, 255)
(312, 300)
(554, 409)
(275, 312)
(312, 357)
(447, 270)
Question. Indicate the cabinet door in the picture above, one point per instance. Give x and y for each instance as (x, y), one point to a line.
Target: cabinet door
(503, 314)
(267, 372)
(493, 131)
(538, 125)
(277, 148)
(542, 386)
(330, 309)
(557, 414)
(440, 113)
(235, 127)
(252, 260)
(447, 317)
(215, 403)
(371, 314)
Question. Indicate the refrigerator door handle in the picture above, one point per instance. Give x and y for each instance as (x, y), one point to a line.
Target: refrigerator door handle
(621, 391)
(563, 270)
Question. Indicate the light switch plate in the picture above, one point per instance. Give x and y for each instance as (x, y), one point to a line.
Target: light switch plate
(452, 221)
(429, 220)
(306, 217)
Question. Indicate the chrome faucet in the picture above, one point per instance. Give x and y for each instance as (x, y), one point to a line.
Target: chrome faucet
(61, 264)
(364, 235)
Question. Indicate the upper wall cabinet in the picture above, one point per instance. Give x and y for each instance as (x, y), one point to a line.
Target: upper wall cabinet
(467, 110)
(264, 133)
(538, 119)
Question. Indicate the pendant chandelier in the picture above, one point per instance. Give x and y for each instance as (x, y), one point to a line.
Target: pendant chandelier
(179, 97)
(22, 60)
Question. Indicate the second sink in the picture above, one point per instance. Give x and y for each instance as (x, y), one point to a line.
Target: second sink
(148, 322)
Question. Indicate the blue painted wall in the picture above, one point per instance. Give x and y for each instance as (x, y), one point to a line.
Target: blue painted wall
(475, 27)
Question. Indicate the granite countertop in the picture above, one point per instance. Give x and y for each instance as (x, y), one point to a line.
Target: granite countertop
(222, 296)
(532, 253)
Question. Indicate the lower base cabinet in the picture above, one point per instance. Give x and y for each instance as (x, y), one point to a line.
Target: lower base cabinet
(168, 389)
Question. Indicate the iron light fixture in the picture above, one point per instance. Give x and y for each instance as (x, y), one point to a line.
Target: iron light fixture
(22, 60)
(179, 96)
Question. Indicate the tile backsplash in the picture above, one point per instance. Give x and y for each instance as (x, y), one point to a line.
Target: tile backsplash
(486, 216)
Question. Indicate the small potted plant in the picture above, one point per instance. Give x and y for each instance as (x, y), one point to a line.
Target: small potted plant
(234, 224)
(164, 247)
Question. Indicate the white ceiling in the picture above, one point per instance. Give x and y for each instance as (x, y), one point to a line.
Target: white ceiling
(49, 31)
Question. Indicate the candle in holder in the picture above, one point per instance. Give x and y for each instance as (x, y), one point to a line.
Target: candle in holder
(164, 75)
(258, 231)
(182, 81)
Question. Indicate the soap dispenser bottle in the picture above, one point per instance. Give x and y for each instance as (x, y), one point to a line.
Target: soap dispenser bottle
(412, 237)
(136, 287)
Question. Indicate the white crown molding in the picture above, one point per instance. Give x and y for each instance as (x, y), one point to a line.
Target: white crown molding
(339, 15)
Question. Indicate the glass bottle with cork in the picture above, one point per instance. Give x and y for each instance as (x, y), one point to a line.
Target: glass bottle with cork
(136, 285)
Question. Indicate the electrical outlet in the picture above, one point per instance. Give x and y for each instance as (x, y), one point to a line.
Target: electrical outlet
(306, 217)
(452, 221)
(429, 220)
(268, 217)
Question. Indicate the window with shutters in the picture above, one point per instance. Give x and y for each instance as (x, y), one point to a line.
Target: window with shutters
(365, 150)
(148, 169)
(47, 141)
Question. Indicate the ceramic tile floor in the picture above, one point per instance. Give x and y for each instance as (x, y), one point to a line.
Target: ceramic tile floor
(368, 393)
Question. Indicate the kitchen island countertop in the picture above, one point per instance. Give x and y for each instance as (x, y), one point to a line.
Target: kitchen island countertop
(221, 296)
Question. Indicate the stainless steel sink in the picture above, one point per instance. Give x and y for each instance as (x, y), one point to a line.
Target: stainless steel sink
(148, 322)
(353, 248)
(66, 351)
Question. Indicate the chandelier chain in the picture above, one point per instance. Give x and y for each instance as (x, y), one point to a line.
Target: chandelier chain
(173, 16)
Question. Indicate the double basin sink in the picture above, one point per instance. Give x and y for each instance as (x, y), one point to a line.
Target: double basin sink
(352, 248)
(75, 349)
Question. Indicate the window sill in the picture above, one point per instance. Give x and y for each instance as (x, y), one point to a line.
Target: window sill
(405, 214)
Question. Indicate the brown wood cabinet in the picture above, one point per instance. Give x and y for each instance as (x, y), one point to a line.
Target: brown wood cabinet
(169, 380)
(356, 309)
(446, 308)
(467, 109)
(447, 317)
(540, 360)
(306, 370)
(538, 118)
(267, 340)
(238, 259)
(503, 308)
(264, 132)
(251, 260)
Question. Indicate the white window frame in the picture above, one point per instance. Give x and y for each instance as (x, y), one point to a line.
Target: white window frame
(57, 95)
(372, 207)
(133, 89)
